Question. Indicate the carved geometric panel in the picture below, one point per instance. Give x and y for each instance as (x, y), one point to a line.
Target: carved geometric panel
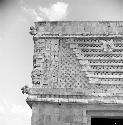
(103, 63)
(71, 74)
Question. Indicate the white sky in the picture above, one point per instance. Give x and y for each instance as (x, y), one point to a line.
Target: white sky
(16, 45)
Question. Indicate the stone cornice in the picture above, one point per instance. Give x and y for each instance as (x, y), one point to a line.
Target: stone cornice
(79, 27)
(87, 100)
(38, 36)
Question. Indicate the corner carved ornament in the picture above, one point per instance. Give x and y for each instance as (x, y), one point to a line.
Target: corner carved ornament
(25, 89)
(34, 32)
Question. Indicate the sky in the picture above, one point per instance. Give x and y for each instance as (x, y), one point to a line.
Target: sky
(16, 44)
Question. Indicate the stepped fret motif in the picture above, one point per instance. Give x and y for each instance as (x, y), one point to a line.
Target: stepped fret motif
(101, 59)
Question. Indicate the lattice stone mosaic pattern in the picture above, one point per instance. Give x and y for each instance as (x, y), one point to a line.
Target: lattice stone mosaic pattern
(86, 64)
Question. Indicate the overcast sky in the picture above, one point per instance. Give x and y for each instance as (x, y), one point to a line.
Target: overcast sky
(16, 45)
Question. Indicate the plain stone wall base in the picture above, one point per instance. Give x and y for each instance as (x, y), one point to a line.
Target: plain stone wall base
(58, 114)
(44, 113)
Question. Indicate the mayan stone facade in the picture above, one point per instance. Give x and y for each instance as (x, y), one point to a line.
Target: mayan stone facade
(77, 72)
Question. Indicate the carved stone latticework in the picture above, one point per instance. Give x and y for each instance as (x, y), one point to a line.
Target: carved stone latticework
(71, 74)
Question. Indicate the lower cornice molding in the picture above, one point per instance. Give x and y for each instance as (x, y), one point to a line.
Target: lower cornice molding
(88, 100)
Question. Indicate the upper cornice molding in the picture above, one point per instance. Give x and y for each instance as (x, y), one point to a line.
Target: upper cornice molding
(79, 29)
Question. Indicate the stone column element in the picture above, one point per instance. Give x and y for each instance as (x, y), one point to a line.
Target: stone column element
(84, 117)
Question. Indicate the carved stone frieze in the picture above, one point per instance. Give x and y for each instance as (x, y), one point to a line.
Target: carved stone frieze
(65, 64)
(75, 61)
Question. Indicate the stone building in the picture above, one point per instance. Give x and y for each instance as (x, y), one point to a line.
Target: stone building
(77, 73)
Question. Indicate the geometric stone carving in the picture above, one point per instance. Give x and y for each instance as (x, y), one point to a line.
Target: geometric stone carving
(108, 46)
(100, 67)
(71, 74)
